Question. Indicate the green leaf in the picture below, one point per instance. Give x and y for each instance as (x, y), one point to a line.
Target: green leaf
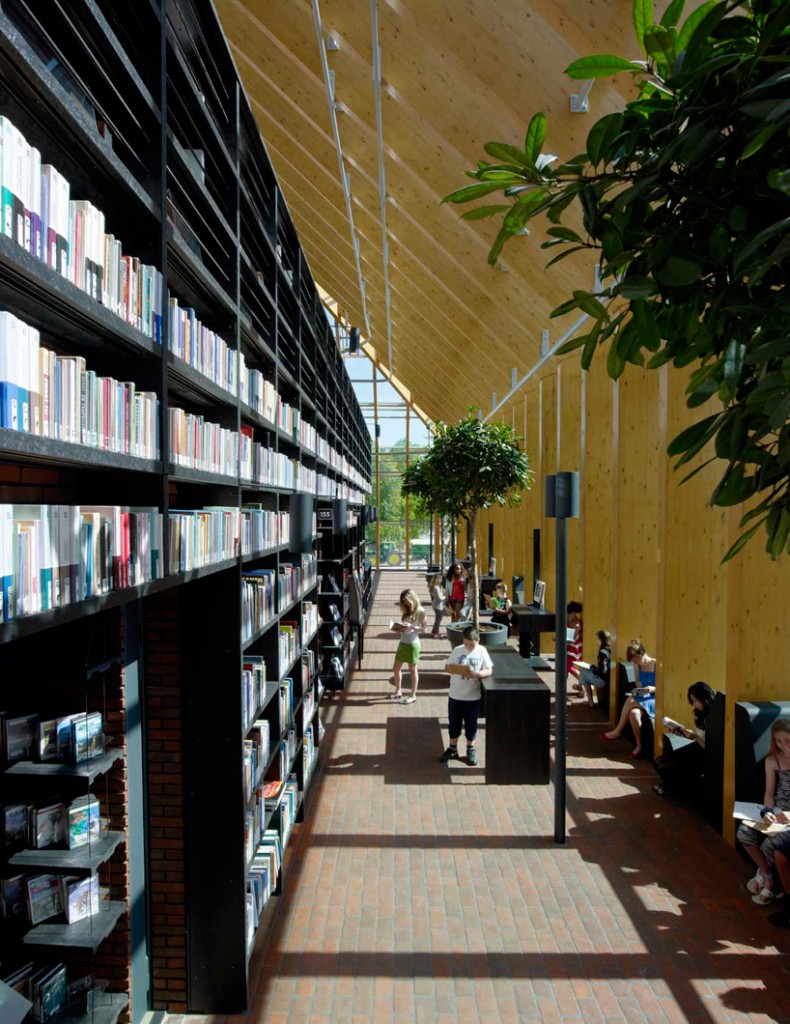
(483, 211)
(779, 179)
(590, 345)
(693, 22)
(601, 136)
(601, 66)
(643, 19)
(615, 364)
(536, 136)
(693, 438)
(564, 233)
(572, 345)
(759, 140)
(660, 43)
(742, 541)
(672, 14)
(734, 487)
(503, 151)
(636, 287)
(719, 243)
(646, 327)
(678, 271)
(760, 240)
(496, 248)
(585, 301)
(469, 192)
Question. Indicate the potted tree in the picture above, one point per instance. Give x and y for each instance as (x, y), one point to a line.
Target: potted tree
(471, 465)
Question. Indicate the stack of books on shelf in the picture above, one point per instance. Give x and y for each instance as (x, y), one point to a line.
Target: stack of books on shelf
(310, 619)
(308, 753)
(288, 641)
(257, 600)
(262, 879)
(203, 349)
(197, 443)
(288, 417)
(305, 479)
(202, 536)
(68, 235)
(261, 464)
(256, 755)
(307, 435)
(253, 687)
(286, 703)
(56, 555)
(289, 804)
(262, 528)
(258, 393)
(287, 749)
(57, 396)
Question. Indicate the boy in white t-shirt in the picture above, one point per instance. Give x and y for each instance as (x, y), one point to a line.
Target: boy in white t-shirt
(472, 663)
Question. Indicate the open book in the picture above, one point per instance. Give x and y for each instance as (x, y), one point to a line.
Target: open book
(672, 726)
(458, 670)
(750, 814)
(398, 627)
(582, 664)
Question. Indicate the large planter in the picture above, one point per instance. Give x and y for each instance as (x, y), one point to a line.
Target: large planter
(492, 634)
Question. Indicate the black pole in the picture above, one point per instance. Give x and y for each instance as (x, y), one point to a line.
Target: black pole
(561, 683)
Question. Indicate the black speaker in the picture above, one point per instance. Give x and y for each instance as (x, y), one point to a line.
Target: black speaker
(301, 523)
(490, 544)
(562, 496)
(339, 517)
(535, 556)
(353, 341)
(517, 590)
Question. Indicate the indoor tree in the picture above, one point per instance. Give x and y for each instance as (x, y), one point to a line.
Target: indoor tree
(684, 196)
(470, 466)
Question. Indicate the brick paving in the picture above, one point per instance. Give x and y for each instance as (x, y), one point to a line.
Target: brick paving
(417, 895)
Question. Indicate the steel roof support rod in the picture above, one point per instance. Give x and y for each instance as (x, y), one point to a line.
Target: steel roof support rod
(374, 18)
(329, 85)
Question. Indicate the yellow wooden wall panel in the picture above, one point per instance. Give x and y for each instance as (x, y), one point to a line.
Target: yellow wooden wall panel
(694, 642)
(638, 499)
(599, 494)
(570, 411)
(548, 388)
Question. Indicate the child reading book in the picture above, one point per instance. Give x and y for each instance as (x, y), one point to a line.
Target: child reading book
(501, 607)
(467, 665)
(413, 618)
(593, 676)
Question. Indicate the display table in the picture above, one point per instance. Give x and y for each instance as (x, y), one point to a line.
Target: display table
(517, 722)
(532, 622)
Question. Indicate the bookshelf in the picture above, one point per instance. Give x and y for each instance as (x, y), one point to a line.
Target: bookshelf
(188, 391)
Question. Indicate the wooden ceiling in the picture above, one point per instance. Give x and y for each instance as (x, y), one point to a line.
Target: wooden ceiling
(454, 74)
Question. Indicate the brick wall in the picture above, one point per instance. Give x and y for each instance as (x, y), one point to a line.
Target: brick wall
(165, 787)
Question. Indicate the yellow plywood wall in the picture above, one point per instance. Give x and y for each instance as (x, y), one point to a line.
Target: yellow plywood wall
(646, 554)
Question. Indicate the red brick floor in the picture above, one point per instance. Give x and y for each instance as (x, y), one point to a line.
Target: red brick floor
(418, 894)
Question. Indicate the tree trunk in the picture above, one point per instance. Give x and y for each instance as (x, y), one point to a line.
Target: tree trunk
(475, 579)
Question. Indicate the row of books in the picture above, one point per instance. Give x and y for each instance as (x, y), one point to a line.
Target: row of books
(203, 349)
(288, 748)
(68, 235)
(265, 592)
(71, 739)
(56, 555)
(57, 396)
(309, 753)
(288, 641)
(286, 705)
(197, 443)
(310, 619)
(201, 536)
(253, 687)
(52, 823)
(258, 816)
(289, 805)
(41, 897)
(262, 528)
(262, 880)
(255, 755)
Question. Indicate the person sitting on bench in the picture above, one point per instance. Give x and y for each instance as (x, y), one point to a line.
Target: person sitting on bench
(681, 769)
(594, 676)
(643, 697)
